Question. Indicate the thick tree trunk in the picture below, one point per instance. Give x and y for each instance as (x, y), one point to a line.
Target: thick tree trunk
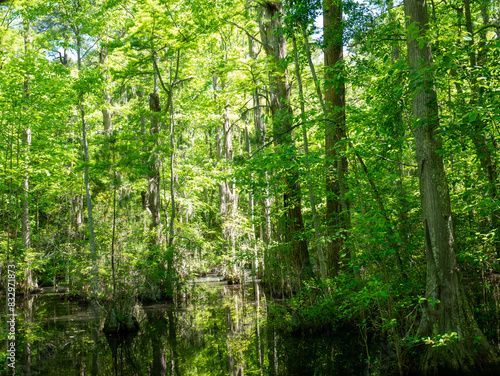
(446, 310)
(337, 205)
(275, 46)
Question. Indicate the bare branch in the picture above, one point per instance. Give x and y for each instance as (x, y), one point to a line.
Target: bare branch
(246, 32)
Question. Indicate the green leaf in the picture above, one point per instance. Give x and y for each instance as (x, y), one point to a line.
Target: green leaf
(473, 116)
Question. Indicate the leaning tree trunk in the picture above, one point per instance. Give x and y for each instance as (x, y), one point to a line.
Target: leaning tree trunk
(275, 46)
(337, 204)
(447, 313)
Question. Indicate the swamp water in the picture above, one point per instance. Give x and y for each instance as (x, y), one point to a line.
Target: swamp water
(220, 331)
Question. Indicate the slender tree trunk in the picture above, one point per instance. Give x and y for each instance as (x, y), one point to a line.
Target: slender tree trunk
(275, 46)
(154, 170)
(93, 248)
(171, 238)
(260, 130)
(337, 205)
(265, 200)
(144, 194)
(229, 197)
(251, 203)
(76, 198)
(172, 156)
(86, 159)
(446, 309)
(77, 205)
(312, 199)
(25, 218)
(313, 70)
(223, 187)
(172, 172)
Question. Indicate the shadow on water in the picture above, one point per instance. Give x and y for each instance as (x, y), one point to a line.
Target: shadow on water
(222, 331)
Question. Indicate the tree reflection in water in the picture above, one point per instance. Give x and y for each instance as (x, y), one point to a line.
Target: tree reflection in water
(222, 330)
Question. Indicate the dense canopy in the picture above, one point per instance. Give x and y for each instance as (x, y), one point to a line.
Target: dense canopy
(344, 151)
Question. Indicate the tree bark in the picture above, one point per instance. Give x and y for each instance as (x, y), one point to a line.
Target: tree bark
(337, 205)
(25, 218)
(260, 130)
(154, 170)
(93, 248)
(228, 195)
(265, 200)
(446, 309)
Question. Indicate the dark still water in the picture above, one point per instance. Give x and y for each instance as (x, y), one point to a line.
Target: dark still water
(220, 331)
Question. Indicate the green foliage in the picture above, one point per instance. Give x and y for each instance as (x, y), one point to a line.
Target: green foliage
(207, 57)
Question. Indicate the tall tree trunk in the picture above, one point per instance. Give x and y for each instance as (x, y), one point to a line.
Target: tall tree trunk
(275, 46)
(154, 170)
(93, 248)
(144, 194)
(221, 155)
(25, 218)
(265, 200)
(172, 172)
(88, 193)
(76, 198)
(446, 309)
(312, 199)
(260, 130)
(251, 202)
(229, 197)
(170, 106)
(337, 205)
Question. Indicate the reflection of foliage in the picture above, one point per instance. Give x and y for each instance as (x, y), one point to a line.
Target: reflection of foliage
(221, 331)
